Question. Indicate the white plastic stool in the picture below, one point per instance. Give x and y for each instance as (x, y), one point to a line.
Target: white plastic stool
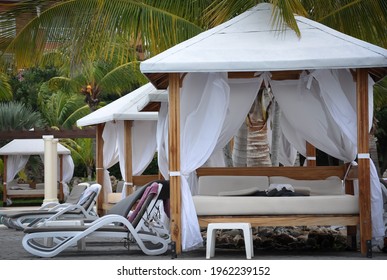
(247, 235)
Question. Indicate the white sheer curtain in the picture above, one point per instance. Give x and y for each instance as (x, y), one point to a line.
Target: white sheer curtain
(110, 154)
(315, 109)
(68, 172)
(204, 102)
(68, 168)
(143, 146)
(15, 163)
(242, 95)
(162, 140)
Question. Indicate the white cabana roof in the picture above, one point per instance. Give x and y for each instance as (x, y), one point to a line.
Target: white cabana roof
(249, 42)
(29, 147)
(124, 108)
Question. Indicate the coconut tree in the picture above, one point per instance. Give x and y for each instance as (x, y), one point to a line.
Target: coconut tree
(82, 153)
(61, 109)
(98, 78)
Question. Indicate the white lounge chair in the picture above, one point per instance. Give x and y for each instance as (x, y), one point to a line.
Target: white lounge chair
(84, 209)
(143, 230)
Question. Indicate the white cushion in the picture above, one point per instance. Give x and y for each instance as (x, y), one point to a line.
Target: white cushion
(240, 192)
(213, 185)
(258, 205)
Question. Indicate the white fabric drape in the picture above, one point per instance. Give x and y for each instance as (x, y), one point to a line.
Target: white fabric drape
(204, 102)
(330, 124)
(110, 154)
(68, 168)
(162, 140)
(68, 172)
(143, 146)
(15, 163)
(242, 95)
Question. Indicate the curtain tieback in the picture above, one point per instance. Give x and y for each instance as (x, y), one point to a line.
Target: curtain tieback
(177, 173)
(363, 156)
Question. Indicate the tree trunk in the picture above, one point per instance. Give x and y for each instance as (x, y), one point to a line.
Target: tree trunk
(374, 152)
(239, 152)
(275, 135)
(258, 152)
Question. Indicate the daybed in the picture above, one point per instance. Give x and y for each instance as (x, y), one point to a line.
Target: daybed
(15, 190)
(227, 195)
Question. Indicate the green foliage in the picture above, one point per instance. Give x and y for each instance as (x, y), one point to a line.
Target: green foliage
(16, 116)
(5, 88)
(26, 84)
(82, 152)
(61, 109)
(381, 135)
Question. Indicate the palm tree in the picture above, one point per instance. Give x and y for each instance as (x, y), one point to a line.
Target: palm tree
(82, 153)
(61, 109)
(97, 78)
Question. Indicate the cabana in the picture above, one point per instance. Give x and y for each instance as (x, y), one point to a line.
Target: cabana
(203, 73)
(127, 136)
(15, 156)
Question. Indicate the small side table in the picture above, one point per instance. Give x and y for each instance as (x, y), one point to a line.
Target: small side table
(247, 235)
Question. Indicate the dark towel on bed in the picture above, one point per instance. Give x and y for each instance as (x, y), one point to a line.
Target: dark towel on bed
(275, 192)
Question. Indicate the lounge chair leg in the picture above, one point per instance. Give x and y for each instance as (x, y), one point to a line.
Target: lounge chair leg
(81, 244)
(173, 250)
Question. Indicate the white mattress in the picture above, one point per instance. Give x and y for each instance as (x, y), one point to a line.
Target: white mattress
(25, 192)
(254, 205)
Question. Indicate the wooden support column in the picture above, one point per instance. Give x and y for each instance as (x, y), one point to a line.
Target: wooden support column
(5, 157)
(61, 194)
(174, 158)
(99, 166)
(310, 155)
(350, 189)
(128, 157)
(363, 159)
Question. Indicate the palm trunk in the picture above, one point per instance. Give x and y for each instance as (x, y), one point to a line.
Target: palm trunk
(275, 135)
(239, 153)
(374, 152)
(258, 152)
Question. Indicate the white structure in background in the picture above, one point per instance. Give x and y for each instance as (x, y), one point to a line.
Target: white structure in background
(143, 133)
(50, 165)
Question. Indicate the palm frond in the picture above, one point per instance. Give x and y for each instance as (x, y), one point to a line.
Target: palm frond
(122, 79)
(5, 88)
(90, 28)
(71, 119)
(64, 84)
(363, 19)
(380, 94)
(16, 116)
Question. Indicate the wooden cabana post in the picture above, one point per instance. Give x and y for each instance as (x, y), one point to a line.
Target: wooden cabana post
(363, 162)
(174, 158)
(61, 194)
(99, 165)
(310, 155)
(128, 156)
